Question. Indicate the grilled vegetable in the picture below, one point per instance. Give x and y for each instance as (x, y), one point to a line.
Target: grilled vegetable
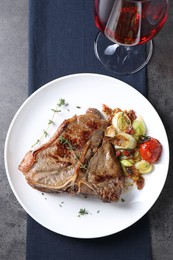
(143, 166)
(139, 127)
(126, 163)
(124, 141)
(121, 122)
(110, 131)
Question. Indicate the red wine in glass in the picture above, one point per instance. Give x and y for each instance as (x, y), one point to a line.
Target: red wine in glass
(130, 22)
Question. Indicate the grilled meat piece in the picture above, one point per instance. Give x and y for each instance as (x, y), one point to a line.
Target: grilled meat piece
(105, 173)
(77, 159)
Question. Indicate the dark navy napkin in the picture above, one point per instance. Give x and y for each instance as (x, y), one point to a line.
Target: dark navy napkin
(61, 39)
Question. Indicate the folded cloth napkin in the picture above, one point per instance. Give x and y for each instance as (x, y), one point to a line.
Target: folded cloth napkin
(61, 38)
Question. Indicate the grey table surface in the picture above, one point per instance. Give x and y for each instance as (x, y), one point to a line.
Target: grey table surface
(13, 92)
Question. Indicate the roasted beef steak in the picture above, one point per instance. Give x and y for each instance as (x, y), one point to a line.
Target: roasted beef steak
(78, 159)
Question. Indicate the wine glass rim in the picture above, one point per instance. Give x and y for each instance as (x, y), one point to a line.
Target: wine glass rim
(133, 1)
(141, 0)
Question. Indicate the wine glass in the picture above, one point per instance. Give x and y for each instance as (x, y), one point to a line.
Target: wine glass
(127, 28)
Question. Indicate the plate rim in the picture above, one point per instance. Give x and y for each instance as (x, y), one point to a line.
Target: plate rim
(28, 100)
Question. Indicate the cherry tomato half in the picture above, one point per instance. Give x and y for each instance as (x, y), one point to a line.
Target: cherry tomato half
(150, 150)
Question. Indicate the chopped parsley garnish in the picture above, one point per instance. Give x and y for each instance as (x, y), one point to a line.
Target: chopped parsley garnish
(82, 212)
(60, 205)
(62, 102)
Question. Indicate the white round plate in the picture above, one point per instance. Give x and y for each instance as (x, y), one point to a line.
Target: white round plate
(60, 212)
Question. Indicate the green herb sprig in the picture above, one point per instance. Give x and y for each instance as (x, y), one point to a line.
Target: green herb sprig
(56, 110)
(69, 145)
(65, 141)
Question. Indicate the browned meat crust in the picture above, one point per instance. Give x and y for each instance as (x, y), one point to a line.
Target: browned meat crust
(77, 159)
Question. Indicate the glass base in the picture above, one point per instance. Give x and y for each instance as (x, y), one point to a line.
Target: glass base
(122, 59)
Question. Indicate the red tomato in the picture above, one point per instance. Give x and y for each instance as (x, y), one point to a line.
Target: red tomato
(150, 150)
